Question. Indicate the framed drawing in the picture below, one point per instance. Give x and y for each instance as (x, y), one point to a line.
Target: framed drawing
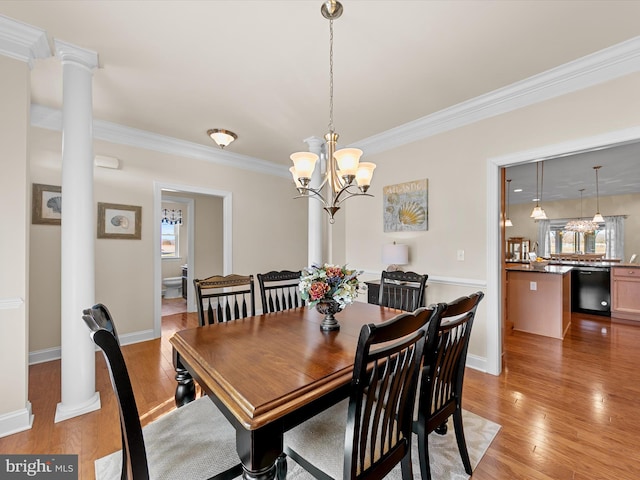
(46, 204)
(119, 221)
(405, 206)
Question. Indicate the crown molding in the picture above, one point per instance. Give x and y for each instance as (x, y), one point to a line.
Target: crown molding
(22, 42)
(599, 67)
(51, 119)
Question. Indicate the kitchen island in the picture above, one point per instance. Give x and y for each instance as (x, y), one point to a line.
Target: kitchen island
(539, 301)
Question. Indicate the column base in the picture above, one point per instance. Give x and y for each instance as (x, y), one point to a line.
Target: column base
(64, 412)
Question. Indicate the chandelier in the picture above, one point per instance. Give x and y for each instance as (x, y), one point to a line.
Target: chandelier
(581, 225)
(345, 175)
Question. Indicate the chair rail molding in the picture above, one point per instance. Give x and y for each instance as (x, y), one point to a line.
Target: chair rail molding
(11, 303)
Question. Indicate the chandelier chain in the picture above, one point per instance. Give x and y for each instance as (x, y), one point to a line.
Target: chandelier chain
(331, 130)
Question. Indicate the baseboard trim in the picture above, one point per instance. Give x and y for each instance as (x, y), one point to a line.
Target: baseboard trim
(54, 353)
(477, 363)
(15, 422)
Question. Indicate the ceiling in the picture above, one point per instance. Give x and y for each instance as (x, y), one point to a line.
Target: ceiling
(260, 68)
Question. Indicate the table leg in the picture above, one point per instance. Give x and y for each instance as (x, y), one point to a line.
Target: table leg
(260, 452)
(186, 388)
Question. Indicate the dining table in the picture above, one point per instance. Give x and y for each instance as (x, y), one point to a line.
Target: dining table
(268, 373)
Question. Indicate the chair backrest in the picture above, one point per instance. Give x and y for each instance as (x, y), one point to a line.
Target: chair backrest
(402, 290)
(443, 372)
(103, 333)
(383, 391)
(223, 298)
(279, 290)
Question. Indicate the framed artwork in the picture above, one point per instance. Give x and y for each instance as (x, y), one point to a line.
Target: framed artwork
(405, 206)
(119, 221)
(46, 204)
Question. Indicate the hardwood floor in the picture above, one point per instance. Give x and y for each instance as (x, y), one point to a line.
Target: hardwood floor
(568, 409)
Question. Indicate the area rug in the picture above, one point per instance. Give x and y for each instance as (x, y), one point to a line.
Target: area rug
(445, 459)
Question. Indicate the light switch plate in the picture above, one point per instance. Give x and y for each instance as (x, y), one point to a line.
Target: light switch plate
(460, 255)
(533, 285)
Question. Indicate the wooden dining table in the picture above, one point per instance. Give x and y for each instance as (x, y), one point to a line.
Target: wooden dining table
(269, 373)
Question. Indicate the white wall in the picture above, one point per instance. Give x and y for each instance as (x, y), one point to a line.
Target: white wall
(15, 192)
(455, 163)
(264, 217)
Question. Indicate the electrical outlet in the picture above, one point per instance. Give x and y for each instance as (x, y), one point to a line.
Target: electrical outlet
(533, 285)
(460, 255)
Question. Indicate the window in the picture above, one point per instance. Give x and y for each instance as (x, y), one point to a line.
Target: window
(170, 246)
(565, 241)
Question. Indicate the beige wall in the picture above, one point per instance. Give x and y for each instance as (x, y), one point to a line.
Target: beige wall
(14, 236)
(524, 226)
(455, 163)
(264, 217)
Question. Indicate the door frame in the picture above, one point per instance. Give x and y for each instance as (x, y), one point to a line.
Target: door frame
(227, 239)
(495, 235)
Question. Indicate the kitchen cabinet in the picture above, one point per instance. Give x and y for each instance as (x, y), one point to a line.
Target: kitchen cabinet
(517, 248)
(625, 293)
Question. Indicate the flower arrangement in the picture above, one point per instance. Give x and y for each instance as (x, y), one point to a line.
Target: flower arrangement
(329, 282)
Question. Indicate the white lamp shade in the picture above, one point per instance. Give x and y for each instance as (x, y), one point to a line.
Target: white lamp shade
(395, 254)
(348, 160)
(598, 218)
(508, 223)
(304, 163)
(365, 173)
(536, 212)
(222, 137)
(295, 177)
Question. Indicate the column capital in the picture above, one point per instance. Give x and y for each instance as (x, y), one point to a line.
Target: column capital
(69, 53)
(315, 144)
(22, 42)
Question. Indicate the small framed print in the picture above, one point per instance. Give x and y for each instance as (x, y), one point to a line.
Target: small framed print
(46, 204)
(119, 221)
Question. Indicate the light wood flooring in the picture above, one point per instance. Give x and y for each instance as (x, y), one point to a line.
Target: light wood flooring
(568, 410)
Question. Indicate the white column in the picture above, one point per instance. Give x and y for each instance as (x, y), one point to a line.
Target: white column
(79, 394)
(317, 220)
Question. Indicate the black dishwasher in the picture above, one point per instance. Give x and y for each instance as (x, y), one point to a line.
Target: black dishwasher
(591, 290)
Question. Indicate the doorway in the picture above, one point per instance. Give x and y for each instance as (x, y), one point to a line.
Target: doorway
(495, 231)
(175, 190)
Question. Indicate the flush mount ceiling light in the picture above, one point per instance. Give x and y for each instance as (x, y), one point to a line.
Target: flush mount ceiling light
(221, 136)
(597, 217)
(344, 170)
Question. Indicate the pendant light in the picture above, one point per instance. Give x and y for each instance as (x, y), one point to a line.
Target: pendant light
(538, 213)
(507, 222)
(597, 217)
(581, 225)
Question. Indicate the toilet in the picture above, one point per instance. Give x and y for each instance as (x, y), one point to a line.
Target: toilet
(172, 287)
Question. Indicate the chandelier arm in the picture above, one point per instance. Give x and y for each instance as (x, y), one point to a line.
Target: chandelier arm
(358, 194)
(312, 193)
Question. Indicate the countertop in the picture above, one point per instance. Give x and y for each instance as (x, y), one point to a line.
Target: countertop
(577, 263)
(555, 269)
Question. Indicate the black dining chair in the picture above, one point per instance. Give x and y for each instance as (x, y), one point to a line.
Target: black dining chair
(279, 290)
(223, 298)
(141, 455)
(402, 290)
(442, 377)
(367, 435)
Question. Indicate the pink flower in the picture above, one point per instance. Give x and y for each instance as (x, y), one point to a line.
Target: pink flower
(317, 290)
(334, 272)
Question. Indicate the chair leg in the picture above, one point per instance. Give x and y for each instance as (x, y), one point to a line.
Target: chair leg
(407, 467)
(423, 449)
(462, 444)
(442, 428)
